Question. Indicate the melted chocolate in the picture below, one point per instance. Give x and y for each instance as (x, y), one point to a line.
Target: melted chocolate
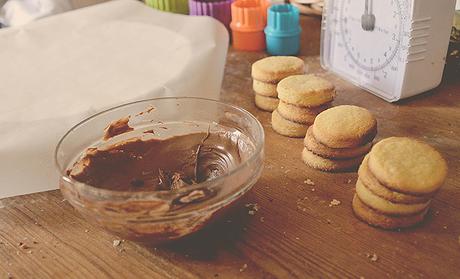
(154, 164)
(117, 127)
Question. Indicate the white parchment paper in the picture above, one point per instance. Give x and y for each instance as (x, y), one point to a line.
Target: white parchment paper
(59, 70)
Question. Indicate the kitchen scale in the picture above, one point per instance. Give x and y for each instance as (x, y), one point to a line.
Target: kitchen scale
(393, 48)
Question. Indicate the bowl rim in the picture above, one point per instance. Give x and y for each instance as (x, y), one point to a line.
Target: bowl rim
(208, 184)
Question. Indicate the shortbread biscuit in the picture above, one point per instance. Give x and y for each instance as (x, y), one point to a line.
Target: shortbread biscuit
(286, 127)
(384, 206)
(407, 165)
(274, 68)
(369, 180)
(334, 153)
(305, 90)
(266, 103)
(264, 89)
(345, 127)
(375, 218)
(324, 164)
(300, 114)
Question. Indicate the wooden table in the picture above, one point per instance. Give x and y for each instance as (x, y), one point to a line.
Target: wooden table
(294, 234)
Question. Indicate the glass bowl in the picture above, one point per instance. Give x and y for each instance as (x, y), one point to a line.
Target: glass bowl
(164, 215)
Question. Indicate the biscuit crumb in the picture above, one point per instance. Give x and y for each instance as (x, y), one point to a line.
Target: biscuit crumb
(300, 208)
(348, 181)
(116, 242)
(334, 202)
(436, 213)
(253, 208)
(328, 221)
(243, 268)
(445, 227)
(313, 189)
(262, 219)
(308, 181)
(86, 231)
(373, 257)
(23, 246)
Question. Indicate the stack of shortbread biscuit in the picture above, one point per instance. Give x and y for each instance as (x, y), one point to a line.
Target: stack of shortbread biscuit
(397, 180)
(266, 74)
(302, 98)
(339, 138)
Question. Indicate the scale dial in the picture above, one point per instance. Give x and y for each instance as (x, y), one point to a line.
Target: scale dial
(366, 41)
(372, 49)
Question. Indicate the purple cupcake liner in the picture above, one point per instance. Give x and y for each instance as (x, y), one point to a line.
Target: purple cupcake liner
(220, 10)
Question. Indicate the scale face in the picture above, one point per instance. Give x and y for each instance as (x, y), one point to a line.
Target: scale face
(392, 48)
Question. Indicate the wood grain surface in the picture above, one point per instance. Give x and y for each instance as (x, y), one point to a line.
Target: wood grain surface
(294, 234)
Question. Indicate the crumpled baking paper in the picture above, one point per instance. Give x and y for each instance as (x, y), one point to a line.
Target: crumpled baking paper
(59, 70)
(20, 12)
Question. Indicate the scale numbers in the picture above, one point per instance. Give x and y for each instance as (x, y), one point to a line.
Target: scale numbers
(376, 49)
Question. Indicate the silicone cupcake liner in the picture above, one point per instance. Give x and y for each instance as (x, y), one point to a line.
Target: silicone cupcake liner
(265, 4)
(248, 25)
(173, 6)
(283, 30)
(220, 10)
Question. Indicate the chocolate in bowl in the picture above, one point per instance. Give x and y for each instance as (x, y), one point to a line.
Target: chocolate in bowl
(163, 168)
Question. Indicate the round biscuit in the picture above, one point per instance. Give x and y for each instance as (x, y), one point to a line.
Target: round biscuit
(274, 68)
(264, 89)
(369, 180)
(345, 126)
(305, 90)
(286, 127)
(266, 103)
(377, 219)
(334, 153)
(299, 114)
(324, 164)
(407, 165)
(385, 206)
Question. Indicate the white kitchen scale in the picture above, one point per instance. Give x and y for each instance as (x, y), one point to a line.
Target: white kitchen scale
(393, 48)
